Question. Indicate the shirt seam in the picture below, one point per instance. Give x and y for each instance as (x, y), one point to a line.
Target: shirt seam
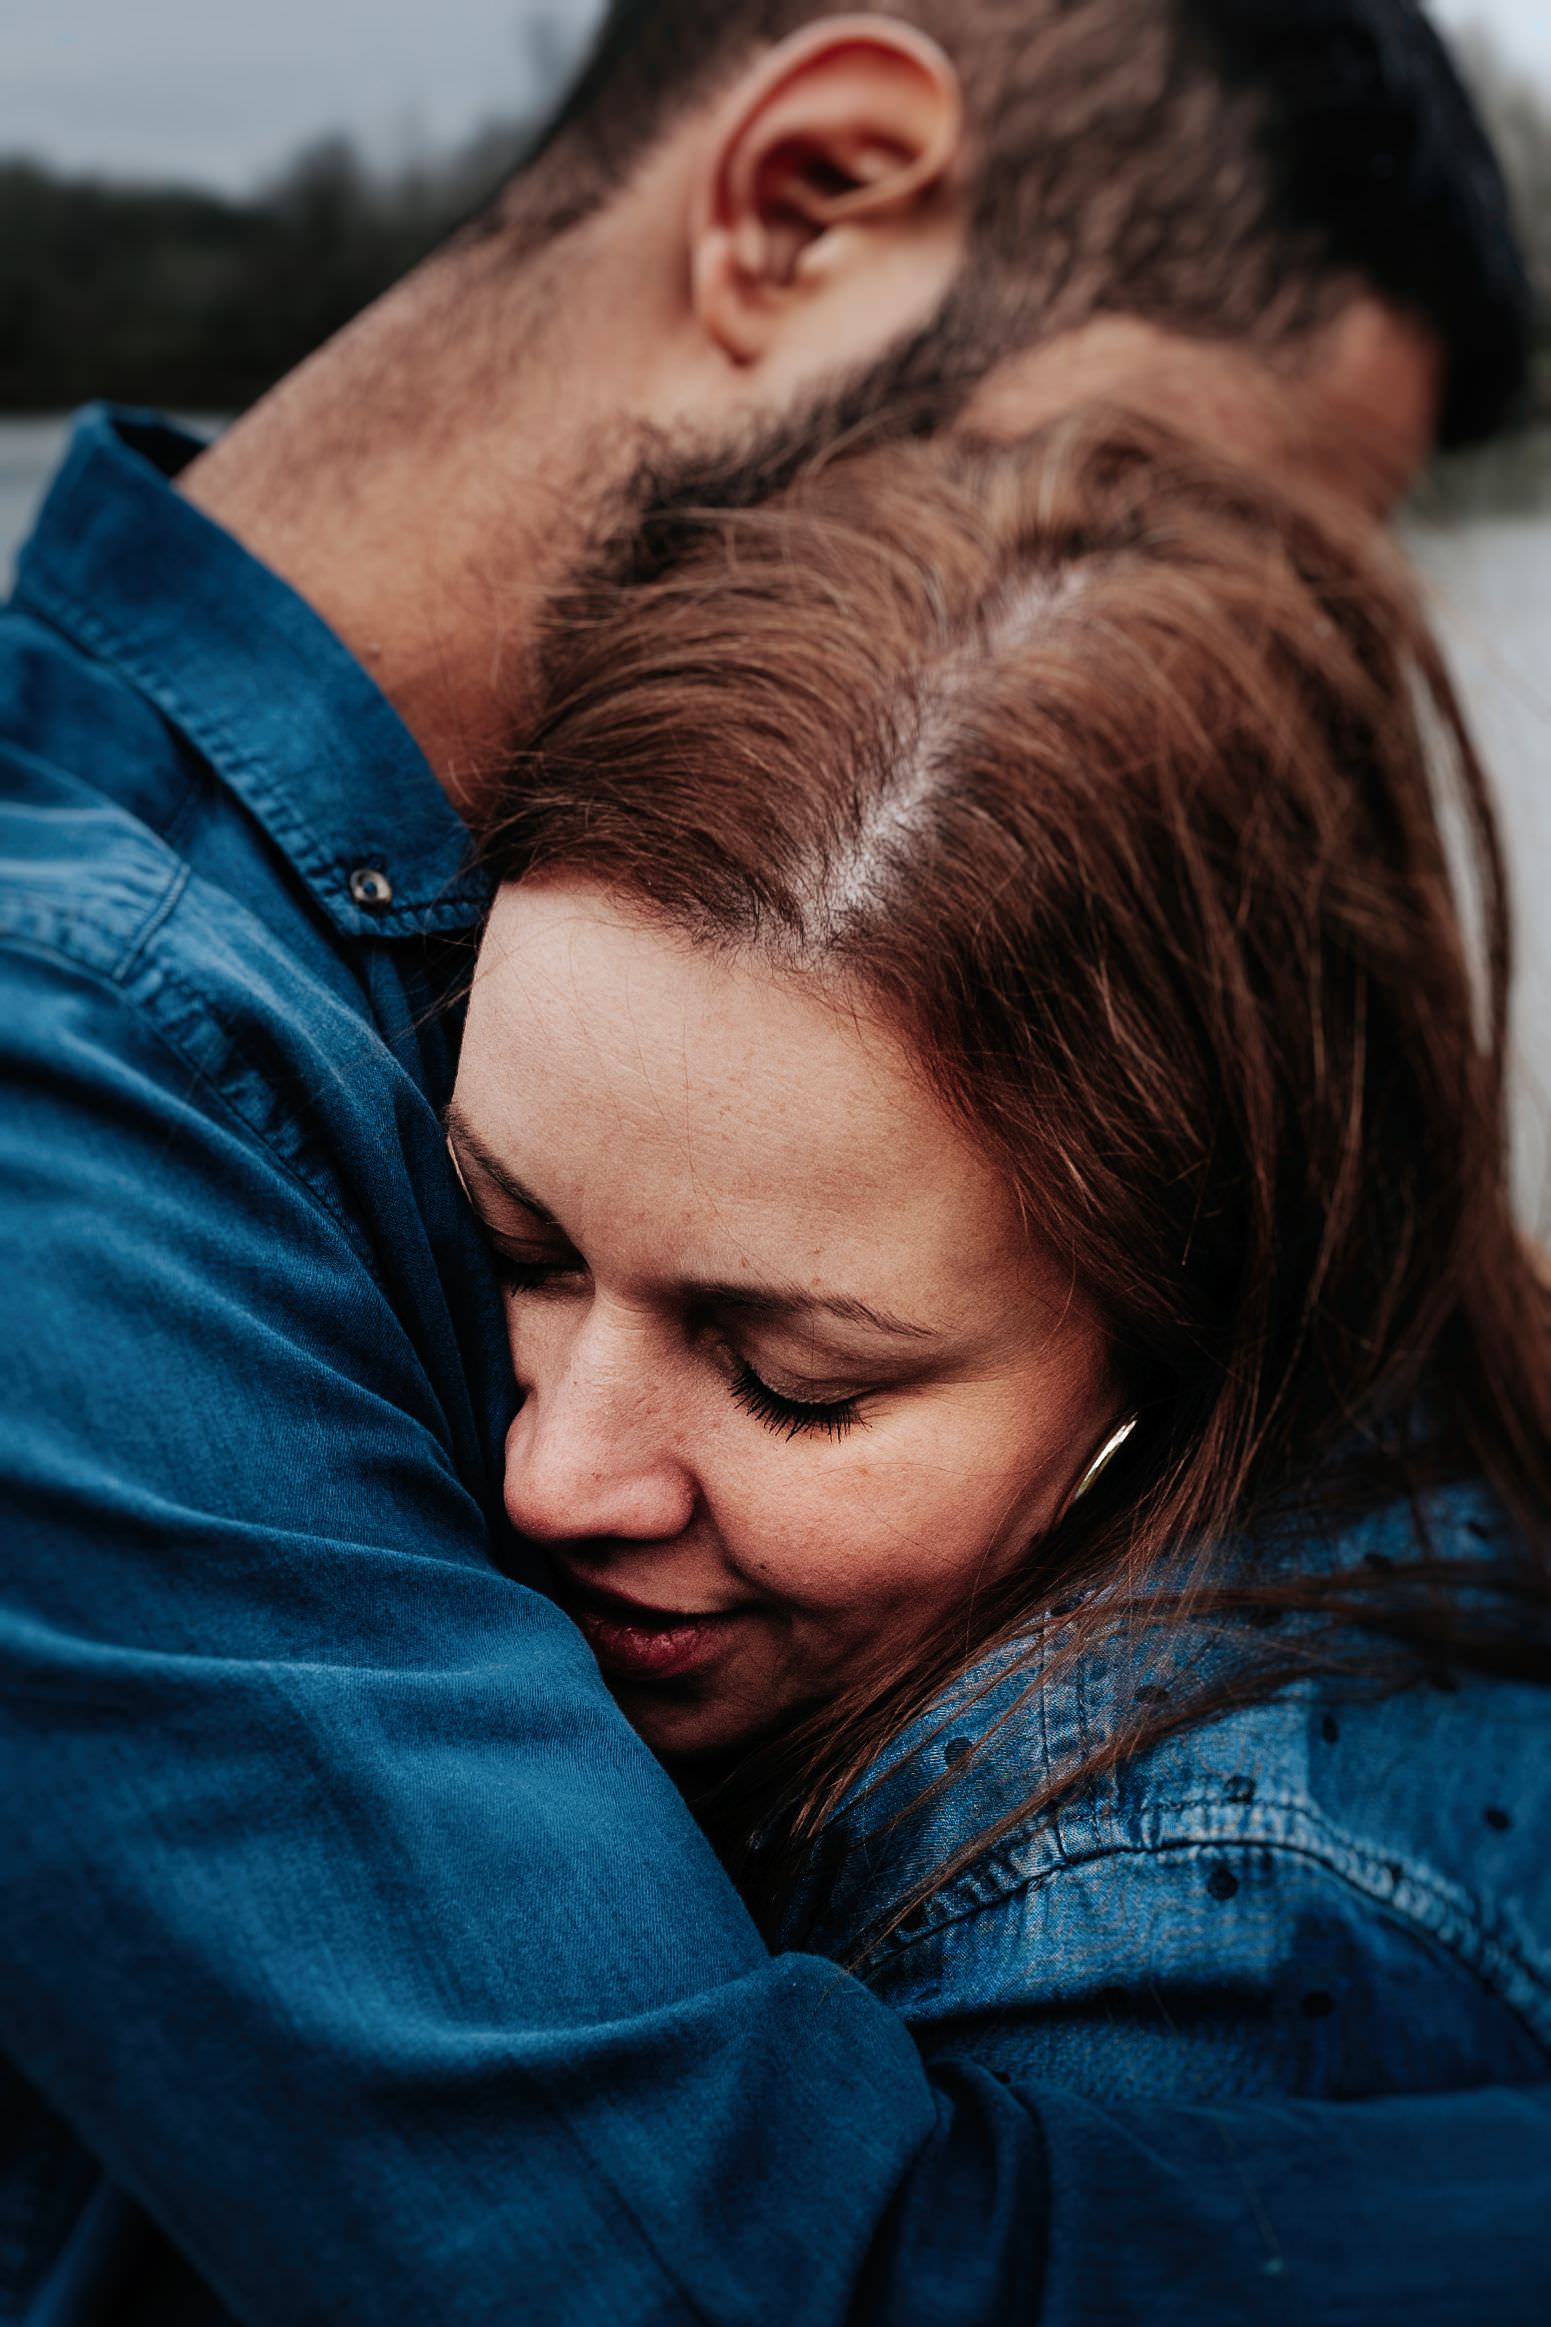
(155, 921)
(1451, 1927)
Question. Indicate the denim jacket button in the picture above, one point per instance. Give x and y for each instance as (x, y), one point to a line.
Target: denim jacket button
(370, 888)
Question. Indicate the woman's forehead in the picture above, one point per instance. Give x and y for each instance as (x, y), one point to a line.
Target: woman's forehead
(618, 1070)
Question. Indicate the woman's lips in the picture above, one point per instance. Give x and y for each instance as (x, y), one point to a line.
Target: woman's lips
(635, 1643)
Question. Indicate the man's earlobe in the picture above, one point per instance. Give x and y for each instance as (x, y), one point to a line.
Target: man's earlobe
(852, 127)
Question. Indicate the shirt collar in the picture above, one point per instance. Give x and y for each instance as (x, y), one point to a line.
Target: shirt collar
(251, 676)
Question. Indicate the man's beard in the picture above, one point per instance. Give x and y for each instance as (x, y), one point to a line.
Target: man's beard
(917, 388)
(657, 515)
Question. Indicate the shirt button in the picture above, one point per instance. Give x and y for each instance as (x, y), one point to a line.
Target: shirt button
(371, 888)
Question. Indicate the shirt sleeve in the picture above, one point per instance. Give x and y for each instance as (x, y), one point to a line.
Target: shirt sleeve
(1389, 2213)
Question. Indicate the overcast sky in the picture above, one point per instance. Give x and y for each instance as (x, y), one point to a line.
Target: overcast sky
(219, 92)
(1523, 27)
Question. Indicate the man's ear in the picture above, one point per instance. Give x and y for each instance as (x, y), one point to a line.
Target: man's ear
(850, 129)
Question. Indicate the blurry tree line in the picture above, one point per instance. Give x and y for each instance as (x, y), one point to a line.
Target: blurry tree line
(197, 301)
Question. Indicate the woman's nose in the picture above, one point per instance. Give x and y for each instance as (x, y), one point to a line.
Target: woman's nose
(590, 1454)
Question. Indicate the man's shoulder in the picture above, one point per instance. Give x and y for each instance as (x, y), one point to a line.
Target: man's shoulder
(133, 981)
(81, 875)
(99, 804)
(90, 891)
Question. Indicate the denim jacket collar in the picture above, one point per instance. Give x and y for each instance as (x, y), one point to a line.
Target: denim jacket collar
(251, 677)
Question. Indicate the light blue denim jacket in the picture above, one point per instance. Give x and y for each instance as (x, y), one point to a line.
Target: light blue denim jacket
(1338, 1892)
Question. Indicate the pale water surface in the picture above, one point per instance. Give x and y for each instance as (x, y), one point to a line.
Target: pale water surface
(28, 450)
(1490, 579)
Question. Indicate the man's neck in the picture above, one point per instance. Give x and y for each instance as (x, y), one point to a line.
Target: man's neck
(429, 539)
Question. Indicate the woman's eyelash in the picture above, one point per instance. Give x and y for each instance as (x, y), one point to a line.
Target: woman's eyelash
(793, 1416)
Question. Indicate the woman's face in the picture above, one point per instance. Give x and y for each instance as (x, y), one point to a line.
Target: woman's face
(793, 1382)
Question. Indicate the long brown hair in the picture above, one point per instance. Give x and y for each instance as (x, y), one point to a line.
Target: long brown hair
(1138, 796)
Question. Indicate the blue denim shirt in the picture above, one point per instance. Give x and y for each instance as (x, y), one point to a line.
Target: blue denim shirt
(357, 1964)
(1342, 1890)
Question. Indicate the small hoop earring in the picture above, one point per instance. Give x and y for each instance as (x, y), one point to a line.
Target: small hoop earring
(452, 1158)
(1105, 1456)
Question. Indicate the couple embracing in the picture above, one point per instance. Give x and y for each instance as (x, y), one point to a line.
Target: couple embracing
(778, 1453)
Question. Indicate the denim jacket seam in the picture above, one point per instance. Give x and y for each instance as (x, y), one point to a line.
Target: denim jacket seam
(154, 923)
(1417, 1900)
(159, 975)
(1054, 1825)
(90, 939)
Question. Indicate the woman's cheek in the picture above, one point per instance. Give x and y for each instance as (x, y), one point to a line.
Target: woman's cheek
(793, 1529)
(882, 1531)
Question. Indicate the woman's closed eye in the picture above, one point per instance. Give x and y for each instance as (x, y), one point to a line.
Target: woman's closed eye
(793, 1417)
(560, 1269)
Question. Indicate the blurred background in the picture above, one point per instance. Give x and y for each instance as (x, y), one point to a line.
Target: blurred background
(193, 193)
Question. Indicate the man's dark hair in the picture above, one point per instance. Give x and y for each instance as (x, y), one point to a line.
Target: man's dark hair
(1379, 161)
(1229, 168)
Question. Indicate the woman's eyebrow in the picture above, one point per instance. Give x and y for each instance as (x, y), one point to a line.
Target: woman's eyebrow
(782, 1302)
(468, 1148)
(774, 1301)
